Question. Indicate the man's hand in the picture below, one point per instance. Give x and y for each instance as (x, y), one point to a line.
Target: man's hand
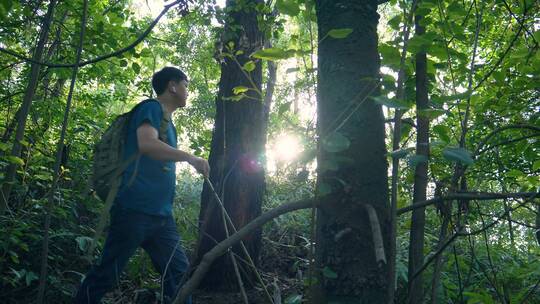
(200, 164)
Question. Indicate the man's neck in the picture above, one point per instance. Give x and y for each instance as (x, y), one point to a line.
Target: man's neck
(167, 104)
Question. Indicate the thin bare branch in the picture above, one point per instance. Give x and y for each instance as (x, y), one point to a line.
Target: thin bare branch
(480, 196)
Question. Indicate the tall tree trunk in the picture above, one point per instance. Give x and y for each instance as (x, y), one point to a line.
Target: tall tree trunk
(237, 150)
(351, 134)
(418, 219)
(25, 108)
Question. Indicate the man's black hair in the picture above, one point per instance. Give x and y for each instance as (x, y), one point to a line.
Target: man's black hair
(161, 79)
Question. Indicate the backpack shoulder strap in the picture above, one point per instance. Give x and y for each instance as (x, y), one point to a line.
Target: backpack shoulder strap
(163, 125)
(165, 120)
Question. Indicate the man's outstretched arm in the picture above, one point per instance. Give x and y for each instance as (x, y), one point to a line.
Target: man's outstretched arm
(150, 145)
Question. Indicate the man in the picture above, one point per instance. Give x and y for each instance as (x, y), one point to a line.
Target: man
(142, 212)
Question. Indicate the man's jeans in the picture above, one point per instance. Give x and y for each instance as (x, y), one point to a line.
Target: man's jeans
(129, 229)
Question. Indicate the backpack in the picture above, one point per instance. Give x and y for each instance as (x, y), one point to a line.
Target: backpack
(109, 163)
(108, 157)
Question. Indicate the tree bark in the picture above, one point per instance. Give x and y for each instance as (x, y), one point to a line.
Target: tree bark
(351, 135)
(25, 108)
(237, 149)
(418, 219)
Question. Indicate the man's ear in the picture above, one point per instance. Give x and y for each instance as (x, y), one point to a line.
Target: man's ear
(172, 86)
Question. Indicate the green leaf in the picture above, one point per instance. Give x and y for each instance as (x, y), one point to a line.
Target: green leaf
(459, 155)
(438, 51)
(30, 276)
(515, 173)
(249, 66)
(5, 7)
(284, 108)
(83, 242)
(293, 299)
(498, 76)
(400, 153)
(405, 131)
(18, 274)
(390, 103)
(456, 10)
(390, 55)
(340, 33)
(329, 273)
(336, 142)
(418, 44)
(443, 132)
(521, 53)
(136, 68)
(44, 177)
(123, 63)
(431, 113)
(273, 54)
(307, 156)
(536, 35)
(288, 7)
(240, 89)
(536, 165)
(420, 11)
(235, 97)
(395, 22)
(478, 298)
(14, 257)
(14, 160)
(146, 52)
(463, 95)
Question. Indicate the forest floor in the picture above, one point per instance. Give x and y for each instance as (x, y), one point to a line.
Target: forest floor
(283, 263)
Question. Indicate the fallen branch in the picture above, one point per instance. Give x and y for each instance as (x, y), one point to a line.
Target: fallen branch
(222, 247)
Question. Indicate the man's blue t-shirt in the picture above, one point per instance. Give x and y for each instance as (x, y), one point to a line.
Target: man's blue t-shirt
(151, 190)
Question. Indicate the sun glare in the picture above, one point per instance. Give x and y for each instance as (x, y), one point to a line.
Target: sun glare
(283, 148)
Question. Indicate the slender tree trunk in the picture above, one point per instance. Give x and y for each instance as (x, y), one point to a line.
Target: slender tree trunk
(237, 150)
(418, 218)
(351, 135)
(270, 86)
(396, 138)
(25, 108)
(59, 158)
(270, 83)
(437, 265)
(537, 222)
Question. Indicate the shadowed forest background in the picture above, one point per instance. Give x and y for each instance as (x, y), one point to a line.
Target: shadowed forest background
(365, 151)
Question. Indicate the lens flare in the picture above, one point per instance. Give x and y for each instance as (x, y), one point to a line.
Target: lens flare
(285, 148)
